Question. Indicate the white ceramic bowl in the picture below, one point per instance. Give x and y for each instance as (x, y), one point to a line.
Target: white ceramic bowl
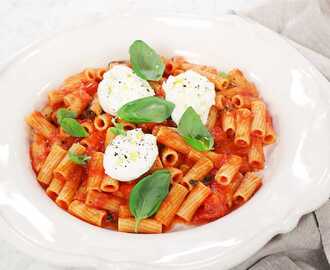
(296, 177)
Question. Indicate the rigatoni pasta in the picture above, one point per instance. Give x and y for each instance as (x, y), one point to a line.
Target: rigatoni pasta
(87, 213)
(197, 172)
(145, 226)
(228, 123)
(243, 127)
(258, 126)
(104, 201)
(247, 188)
(256, 155)
(55, 187)
(69, 190)
(169, 157)
(41, 125)
(54, 158)
(212, 118)
(171, 204)
(102, 122)
(95, 172)
(38, 151)
(77, 101)
(195, 198)
(109, 184)
(228, 170)
(67, 167)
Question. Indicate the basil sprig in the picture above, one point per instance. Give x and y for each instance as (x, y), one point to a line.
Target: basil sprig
(118, 128)
(146, 110)
(148, 194)
(194, 132)
(70, 125)
(146, 63)
(64, 113)
(78, 159)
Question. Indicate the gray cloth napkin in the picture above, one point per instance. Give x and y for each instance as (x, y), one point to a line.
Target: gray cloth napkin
(306, 25)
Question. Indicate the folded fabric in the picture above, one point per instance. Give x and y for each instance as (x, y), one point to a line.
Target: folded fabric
(306, 25)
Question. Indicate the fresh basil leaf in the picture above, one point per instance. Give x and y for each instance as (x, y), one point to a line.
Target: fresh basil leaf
(64, 113)
(194, 132)
(72, 127)
(148, 194)
(78, 159)
(118, 128)
(146, 110)
(223, 74)
(200, 144)
(146, 63)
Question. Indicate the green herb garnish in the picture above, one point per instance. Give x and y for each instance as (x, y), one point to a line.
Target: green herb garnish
(118, 128)
(146, 63)
(78, 159)
(64, 113)
(148, 194)
(146, 110)
(194, 132)
(70, 125)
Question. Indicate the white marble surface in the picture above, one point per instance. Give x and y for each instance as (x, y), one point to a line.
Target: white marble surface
(25, 21)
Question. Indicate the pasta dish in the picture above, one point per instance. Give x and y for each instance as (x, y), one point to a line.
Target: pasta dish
(141, 145)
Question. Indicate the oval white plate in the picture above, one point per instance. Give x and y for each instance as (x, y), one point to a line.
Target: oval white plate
(296, 179)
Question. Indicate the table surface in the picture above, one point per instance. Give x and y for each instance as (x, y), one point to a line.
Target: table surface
(23, 22)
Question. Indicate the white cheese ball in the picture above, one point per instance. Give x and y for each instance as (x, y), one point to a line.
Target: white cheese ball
(120, 86)
(190, 89)
(131, 155)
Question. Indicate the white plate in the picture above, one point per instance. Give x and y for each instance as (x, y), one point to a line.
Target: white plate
(296, 179)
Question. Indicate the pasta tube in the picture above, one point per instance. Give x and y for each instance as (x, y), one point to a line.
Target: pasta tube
(171, 204)
(95, 171)
(197, 172)
(102, 200)
(54, 158)
(228, 170)
(87, 213)
(41, 125)
(145, 226)
(194, 200)
(258, 126)
(243, 126)
(169, 157)
(69, 189)
(228, 123)
(109, 184)
(256, 154)
(250, 184)
(102, 122)
(66, 167)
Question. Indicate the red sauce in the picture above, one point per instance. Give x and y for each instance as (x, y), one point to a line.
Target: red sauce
(212, 208)
(95, 142)
(125, 189)
(90, 87)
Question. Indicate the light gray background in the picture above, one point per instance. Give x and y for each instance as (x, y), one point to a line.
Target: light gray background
(25, 21)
